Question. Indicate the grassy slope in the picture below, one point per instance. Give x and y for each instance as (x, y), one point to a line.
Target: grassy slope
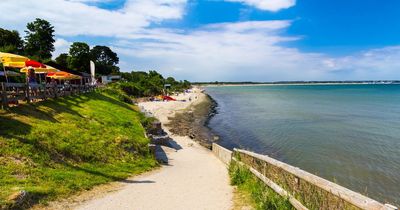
(57, 147)
(254, 191)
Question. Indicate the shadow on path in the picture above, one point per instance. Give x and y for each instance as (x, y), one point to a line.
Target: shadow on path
(138, 181)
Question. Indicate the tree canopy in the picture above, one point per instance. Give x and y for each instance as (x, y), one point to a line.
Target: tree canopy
(39, 39)
(10, 41)
(79, 56)
(63, 60)
(105, 60)
(139, 83)
(39, 45)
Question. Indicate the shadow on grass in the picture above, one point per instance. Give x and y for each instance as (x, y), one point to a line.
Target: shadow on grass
(11, 127)
(30, 200)
(62, 105)
(109, 177)
(56, 106)
(107, 98)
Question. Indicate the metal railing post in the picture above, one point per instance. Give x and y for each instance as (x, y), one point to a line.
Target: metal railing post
(4, 100)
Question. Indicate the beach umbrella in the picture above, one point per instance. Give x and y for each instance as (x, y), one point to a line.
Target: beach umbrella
(12, 60)
(38, 67)
(41, 69)
(168, 98)
(35, 64)
(62, 75)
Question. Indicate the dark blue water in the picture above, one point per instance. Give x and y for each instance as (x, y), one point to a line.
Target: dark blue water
(349, 134)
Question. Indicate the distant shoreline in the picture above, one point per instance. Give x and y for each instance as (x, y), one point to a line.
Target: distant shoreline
(292, 84)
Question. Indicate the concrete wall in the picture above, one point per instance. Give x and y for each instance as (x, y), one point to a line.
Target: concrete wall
(304, 190)
(225, 155)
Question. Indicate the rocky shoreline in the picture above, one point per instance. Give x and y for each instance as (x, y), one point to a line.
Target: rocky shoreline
(193, 122)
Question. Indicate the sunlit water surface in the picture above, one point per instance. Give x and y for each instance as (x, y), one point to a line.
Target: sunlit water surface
(349, 134)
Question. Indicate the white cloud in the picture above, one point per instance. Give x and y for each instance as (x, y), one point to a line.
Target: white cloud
(272, 25)
(248, 51)
(61, 46)
(251, 50)
(382, 63)
(270, 5)
(72, 18)
(90, 1)
(233, 51)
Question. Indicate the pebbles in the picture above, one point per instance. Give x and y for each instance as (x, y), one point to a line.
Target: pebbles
(191, 122)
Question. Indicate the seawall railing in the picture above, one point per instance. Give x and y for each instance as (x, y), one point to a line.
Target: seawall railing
(14, 93)
(225, 155)
(303, 190)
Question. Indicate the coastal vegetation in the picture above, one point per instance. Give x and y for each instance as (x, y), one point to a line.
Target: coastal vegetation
(54, 148)
(38, 44)
(255, 191)
(143, 84)
(138, 84)
(80, 55)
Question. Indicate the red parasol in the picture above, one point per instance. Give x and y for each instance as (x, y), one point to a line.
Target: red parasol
(34, 64)
(168, 98)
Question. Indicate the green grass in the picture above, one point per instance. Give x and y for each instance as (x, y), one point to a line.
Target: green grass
(55, 148)
(257, 193)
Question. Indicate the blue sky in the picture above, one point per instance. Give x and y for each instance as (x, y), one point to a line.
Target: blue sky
(230, 40)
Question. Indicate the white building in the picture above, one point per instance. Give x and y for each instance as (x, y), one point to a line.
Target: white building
(110, 78)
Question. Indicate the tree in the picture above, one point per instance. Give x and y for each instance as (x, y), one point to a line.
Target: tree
(134, 76)
(63, 60)
(171, 81)
(10, 41)
(186, 84)
(80, 56)
(39, 39)
(105, 60)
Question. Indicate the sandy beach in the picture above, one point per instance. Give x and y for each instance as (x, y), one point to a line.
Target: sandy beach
(193, 178)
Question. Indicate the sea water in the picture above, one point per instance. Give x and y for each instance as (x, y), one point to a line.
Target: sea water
(349, 134)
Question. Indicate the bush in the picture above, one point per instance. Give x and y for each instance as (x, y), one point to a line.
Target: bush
(143, 84)
(115, 90)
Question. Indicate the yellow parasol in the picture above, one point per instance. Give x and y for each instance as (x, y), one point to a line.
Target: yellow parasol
(40, 70)
(12, 60)
(62, 75)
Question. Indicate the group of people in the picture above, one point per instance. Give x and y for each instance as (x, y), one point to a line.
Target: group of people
(31, 78)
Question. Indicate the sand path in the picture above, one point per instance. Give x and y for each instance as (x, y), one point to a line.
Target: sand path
(193, 178)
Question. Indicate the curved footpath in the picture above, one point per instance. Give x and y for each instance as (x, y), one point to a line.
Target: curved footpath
(193, 178)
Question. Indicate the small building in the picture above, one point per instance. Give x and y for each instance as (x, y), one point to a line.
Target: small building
(167, 86)
(110, 78)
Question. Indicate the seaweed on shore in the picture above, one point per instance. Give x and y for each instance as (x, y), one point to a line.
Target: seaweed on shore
(193, 122)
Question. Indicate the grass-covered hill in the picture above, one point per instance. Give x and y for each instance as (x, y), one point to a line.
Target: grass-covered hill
(54, 148)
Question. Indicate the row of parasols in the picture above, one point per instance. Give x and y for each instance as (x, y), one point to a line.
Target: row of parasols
(23, 63)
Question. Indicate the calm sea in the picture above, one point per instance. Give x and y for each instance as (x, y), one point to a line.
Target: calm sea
(349, 134)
